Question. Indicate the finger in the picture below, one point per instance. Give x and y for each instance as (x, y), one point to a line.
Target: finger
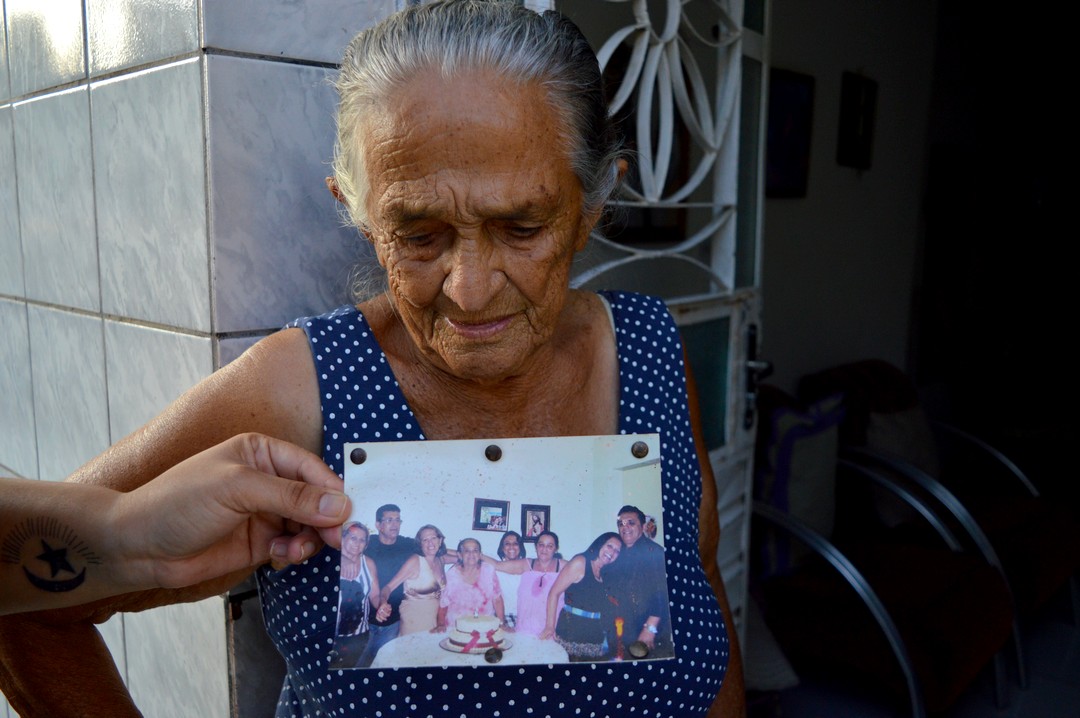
(252, 491)
(289, 461)
(286, 550)
(331, 535)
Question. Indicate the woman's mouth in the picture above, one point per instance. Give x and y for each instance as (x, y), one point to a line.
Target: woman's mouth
(479, 330)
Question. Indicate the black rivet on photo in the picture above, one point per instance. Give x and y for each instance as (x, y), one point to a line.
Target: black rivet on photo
(493, 453)
(358, 456)
(493, 655)
(640, 449)
(638, 649)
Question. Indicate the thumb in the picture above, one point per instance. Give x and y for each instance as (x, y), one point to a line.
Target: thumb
(254, 491)
(307, 490)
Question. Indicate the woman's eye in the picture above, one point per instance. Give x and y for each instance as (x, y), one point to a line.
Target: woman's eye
(522, 231)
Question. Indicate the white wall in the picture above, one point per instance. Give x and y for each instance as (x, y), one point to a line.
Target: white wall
(838, 265)
(161, 205)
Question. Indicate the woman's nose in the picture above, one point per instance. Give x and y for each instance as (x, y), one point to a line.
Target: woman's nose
(474, 276)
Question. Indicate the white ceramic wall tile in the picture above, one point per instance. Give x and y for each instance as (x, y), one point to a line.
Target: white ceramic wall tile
(147, 369)
(5, 92)
(280, 250)
(71, 417)
(11, 272)
(151, 195)
(45, 44)
(176, 658)
(112, 632)
(125, 33)
(18, 448)
(232, 347)
(56, 199)
(313, 30)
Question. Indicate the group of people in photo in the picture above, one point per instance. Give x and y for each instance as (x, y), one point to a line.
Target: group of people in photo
(608, 602)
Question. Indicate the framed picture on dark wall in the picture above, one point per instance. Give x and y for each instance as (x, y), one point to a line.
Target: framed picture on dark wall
(858, 104)
(788, 133)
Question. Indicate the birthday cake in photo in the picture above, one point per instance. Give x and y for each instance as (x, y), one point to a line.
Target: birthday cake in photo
(475, 634)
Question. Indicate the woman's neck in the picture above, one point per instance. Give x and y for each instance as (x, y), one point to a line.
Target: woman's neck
(569, 388)
(545, 565)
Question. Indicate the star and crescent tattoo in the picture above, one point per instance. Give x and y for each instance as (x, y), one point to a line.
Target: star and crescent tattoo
(53, 558)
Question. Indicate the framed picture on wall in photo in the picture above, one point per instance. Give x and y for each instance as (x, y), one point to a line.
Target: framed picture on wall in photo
(535, 519)
(490, 515)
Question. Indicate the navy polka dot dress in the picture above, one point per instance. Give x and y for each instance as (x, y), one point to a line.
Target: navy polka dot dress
(361, 401)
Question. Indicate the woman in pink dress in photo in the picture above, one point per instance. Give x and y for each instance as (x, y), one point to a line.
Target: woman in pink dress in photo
(472, 588)
(537, 577)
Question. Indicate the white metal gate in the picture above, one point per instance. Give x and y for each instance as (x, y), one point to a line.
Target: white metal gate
(687, 83)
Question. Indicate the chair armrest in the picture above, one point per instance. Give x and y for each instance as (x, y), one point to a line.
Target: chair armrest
(994, 454)
(948, 501)
(908, 497)
(824, 548)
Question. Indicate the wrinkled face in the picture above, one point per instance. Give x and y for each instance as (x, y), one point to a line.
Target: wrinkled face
(470, 553)
(353, 543)
(430, 542)
(546, 548)
(389, 526)
(610, 551)
(630, 528)
(476, 215)
(511, 547)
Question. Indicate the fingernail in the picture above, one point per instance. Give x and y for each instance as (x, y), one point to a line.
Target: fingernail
(280, 549)
(307, 549)
(332, 504)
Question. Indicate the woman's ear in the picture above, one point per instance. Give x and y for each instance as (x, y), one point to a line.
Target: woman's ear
(332, 185)
(622, 166)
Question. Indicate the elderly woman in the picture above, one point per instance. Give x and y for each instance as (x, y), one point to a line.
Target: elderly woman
(423, 578)
(475, 153)
(472, 588)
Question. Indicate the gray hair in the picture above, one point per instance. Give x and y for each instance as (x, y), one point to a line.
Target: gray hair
(453, 36)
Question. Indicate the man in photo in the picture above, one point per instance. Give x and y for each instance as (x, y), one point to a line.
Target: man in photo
(638, 582)
(389, 551)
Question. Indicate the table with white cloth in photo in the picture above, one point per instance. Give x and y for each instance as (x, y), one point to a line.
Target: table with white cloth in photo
(423, 649)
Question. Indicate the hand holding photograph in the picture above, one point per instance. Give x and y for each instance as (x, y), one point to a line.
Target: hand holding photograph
(447, 595)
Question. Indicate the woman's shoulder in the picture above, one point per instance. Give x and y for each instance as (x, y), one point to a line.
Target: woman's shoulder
(619, 299)
(638, 315)
(335, 316)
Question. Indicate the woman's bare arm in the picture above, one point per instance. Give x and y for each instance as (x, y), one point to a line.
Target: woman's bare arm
(510, 565)
(731, 701)
(375, 594)
(570, 574)
(54, 663)
(409, 569)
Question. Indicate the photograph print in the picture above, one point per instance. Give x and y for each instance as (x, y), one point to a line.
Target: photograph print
(434, 573)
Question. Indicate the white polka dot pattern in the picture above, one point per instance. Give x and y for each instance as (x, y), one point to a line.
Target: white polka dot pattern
(361, 401)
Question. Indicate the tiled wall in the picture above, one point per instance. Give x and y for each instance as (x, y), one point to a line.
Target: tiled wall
(162, 206)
